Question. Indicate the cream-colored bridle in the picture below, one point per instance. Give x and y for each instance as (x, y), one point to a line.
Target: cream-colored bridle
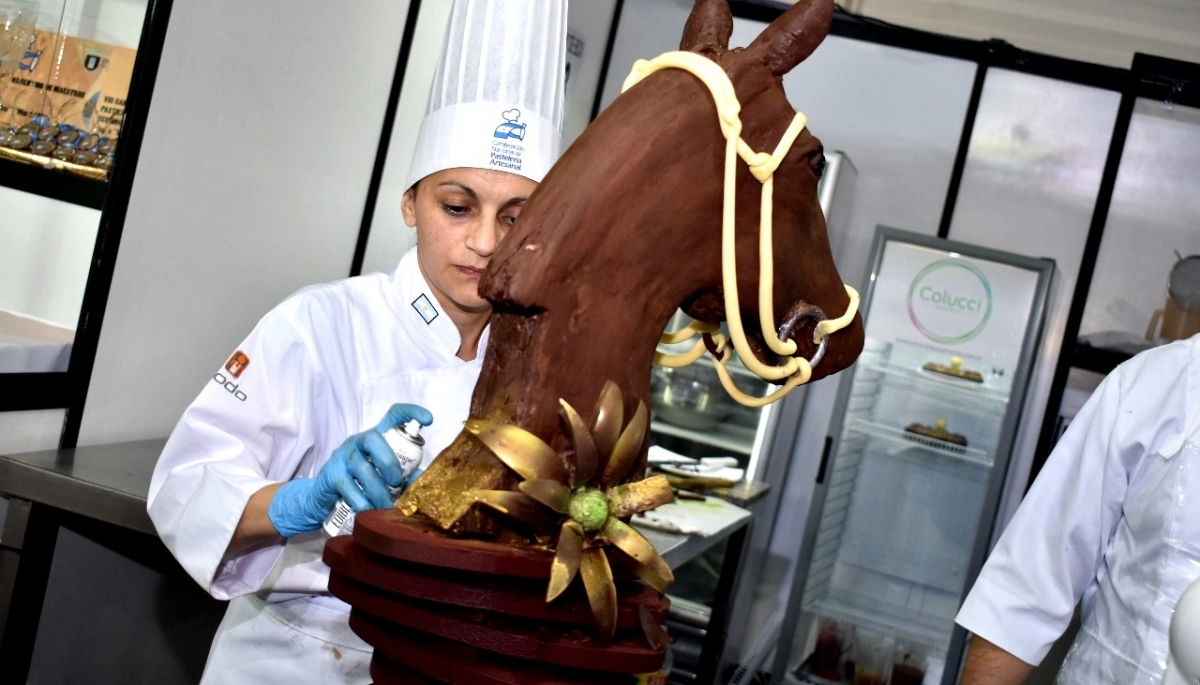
(763, 166)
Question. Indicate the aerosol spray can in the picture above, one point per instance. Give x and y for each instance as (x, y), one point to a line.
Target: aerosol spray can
(408, 446)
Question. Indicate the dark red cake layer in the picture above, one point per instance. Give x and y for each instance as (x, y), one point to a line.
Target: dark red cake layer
(513, 596)
(389, 533)
(414, 657)
(629, 651)
(387, 675)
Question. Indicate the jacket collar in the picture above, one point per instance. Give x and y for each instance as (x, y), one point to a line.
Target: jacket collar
(420, 310)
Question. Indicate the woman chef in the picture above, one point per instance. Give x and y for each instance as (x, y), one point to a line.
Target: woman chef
(249, 474)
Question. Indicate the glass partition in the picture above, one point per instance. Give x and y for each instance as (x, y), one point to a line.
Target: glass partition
(1144, 289)
(65, 71)
(1029, 186)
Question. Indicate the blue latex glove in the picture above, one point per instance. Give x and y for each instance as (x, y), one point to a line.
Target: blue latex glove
(358, 471)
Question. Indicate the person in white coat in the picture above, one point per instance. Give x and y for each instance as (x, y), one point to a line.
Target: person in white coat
(1112, 521)
(293, 420)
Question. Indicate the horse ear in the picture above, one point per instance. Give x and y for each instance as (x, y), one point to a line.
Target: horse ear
(710, 23)
(791, 38)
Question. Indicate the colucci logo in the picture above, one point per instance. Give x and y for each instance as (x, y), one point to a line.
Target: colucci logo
(950, 301)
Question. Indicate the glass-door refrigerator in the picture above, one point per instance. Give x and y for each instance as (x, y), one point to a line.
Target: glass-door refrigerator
(906, 496)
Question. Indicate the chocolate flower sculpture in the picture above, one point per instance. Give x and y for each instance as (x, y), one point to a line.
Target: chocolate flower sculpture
(587, 495)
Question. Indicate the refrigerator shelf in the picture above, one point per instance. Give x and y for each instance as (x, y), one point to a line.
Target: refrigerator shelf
(733, 439)
(902, 439)
(899, 623)
(975, 393)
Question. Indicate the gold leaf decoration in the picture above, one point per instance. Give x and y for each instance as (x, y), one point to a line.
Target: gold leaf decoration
(566, 559)
(626, 450)
(549, 492)
(520, 450)
(632, 543)
(601, 591)
(587, 496)
(587, 460)
(609, 419)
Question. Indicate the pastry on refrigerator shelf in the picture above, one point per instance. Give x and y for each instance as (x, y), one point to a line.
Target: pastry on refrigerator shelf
(955, 369)
(935, 435)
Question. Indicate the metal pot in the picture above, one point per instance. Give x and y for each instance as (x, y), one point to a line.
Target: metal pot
(1184, 283)
(691, 396)
(1180, 316)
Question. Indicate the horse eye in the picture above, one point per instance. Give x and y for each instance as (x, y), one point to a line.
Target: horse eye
(817, 161)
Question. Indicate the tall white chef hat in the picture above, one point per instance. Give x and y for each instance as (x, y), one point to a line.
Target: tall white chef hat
(497, 95)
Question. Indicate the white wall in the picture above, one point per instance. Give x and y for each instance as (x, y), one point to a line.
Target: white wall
(390, 238)
(47, 251)
(30, 431)
(251, 184)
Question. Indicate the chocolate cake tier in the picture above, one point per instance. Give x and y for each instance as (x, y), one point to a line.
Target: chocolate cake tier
(410, 653)
(518, 597)
(472, 611)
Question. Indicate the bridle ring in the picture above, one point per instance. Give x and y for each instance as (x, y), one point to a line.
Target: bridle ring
(808, 312)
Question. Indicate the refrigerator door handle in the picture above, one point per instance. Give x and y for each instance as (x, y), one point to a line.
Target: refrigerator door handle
(824, 459)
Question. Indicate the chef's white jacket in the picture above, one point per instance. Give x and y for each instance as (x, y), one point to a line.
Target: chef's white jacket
(325, 364)
(1113, 520)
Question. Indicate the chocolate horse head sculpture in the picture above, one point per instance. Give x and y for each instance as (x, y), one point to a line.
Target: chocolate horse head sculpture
(625, 229)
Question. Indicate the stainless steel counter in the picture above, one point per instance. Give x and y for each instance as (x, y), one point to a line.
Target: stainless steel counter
(104, 482)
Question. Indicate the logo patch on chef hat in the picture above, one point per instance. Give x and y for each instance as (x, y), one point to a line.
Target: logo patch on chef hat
(512, 127)
(237, 363)
(425, 308)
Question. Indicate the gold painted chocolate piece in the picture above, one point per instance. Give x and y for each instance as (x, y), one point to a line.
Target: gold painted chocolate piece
(554, 495)
(628, 446)
(601, 591)
(515, 504)
(609, 419)
(587, 460)
(626, 500)
(438, 492)
(653, 568)
(521, 450)
(549, 492)
(566, 559)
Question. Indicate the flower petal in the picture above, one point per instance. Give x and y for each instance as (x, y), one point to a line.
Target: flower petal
(631, 498)
(627, 449)
(586, 459)
(566, 559)
(515, 504)
(601, 592)
(520, 450)
(609, 419)
(549, 492)
(649, 566)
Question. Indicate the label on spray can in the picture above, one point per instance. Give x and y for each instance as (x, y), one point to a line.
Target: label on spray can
(408, 448)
